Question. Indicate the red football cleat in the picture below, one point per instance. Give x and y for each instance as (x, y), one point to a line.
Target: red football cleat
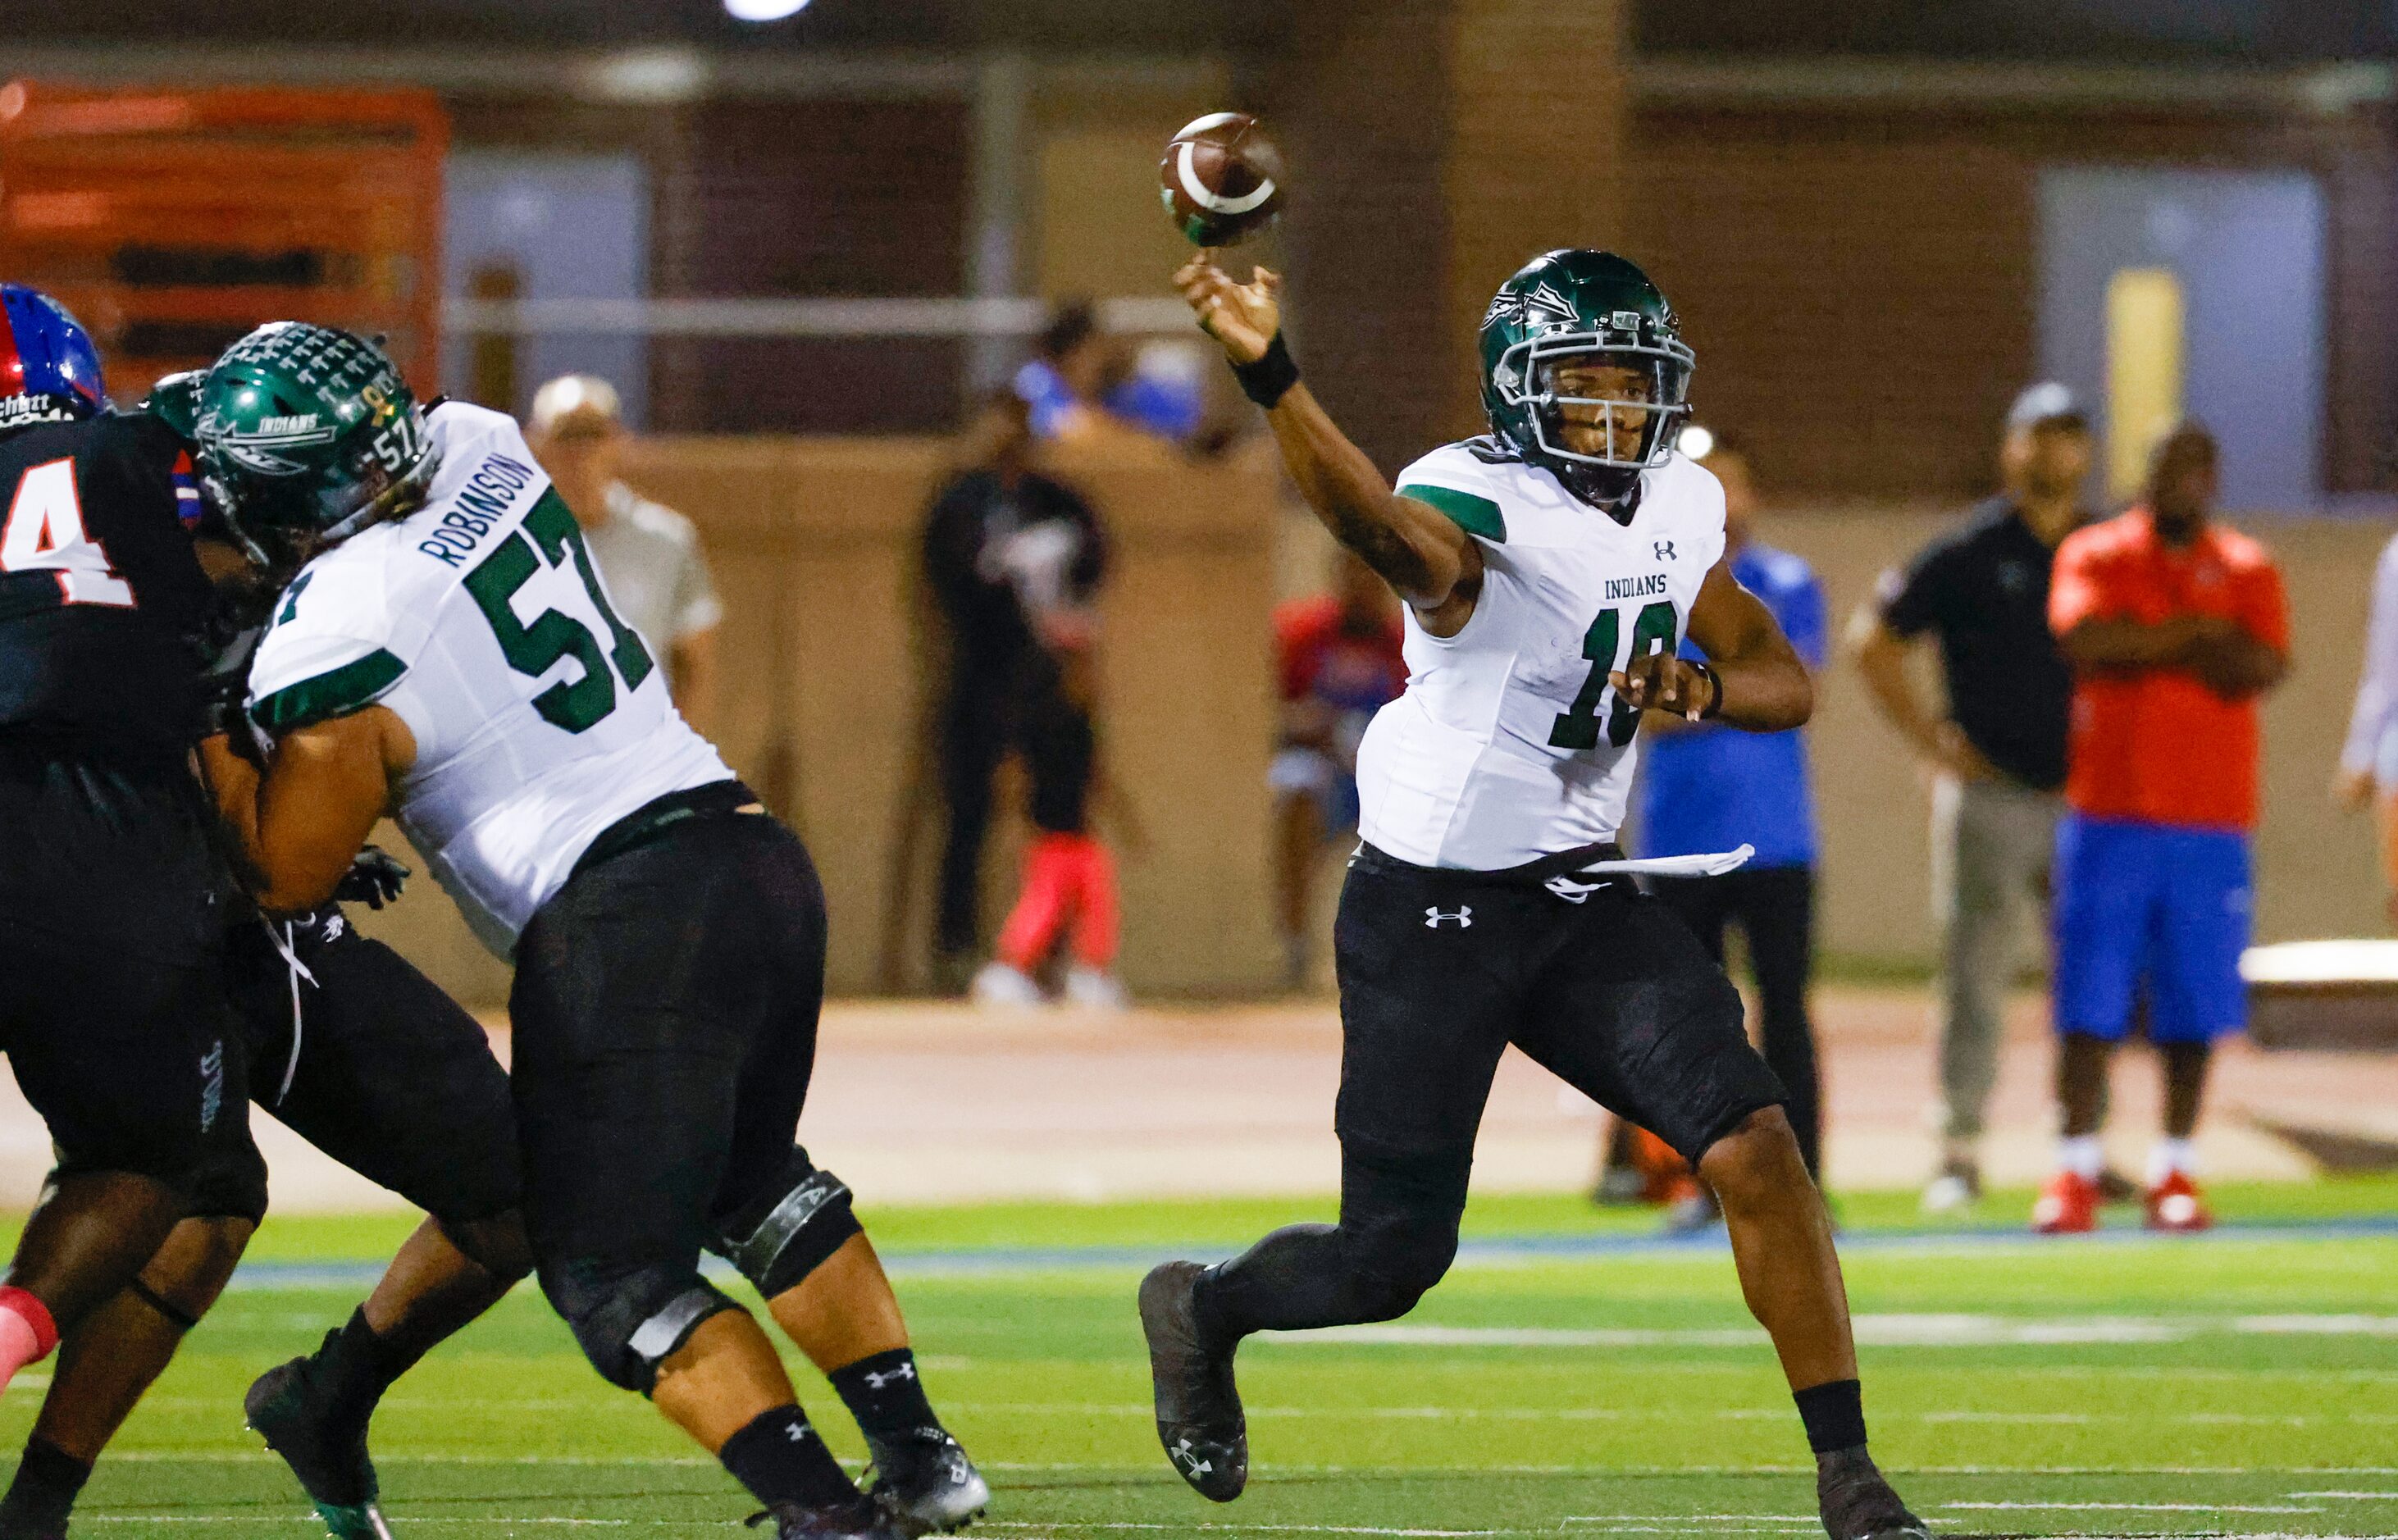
(2174, 1203)
(2067, 1206)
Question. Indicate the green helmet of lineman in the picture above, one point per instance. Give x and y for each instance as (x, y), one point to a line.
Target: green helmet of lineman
(309, 430)
(1586, 307)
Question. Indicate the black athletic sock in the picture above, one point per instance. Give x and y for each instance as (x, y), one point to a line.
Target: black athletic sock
(49, 1480)
(356, 1364)
(884, 1393)
(1835, 1415)
(1295, 1278)
(780, 1459)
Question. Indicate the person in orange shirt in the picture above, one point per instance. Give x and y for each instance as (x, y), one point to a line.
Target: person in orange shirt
(2174, 626)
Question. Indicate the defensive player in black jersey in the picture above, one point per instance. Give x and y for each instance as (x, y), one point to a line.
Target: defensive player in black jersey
(110, 891)
(368, 1059)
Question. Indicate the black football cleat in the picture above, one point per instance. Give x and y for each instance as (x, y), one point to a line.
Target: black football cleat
(1199, 1418)
(859, 1518)
(1857, 1504)
(923, 1479)
(328, 1454)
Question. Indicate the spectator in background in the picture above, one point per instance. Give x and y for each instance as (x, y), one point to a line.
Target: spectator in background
(1705, 789)
(649, 555)
(1061, 382)
(2174, 627)
(1082, 385)
(2368, 763)
(1339, 655)
(1015, 561)
(1996, 753)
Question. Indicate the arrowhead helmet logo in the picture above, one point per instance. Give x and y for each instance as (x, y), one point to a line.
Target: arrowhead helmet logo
(1550, 311)
(1464, 917)
(1544, 309)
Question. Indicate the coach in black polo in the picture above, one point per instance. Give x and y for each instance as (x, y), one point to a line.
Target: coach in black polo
(1997, 751)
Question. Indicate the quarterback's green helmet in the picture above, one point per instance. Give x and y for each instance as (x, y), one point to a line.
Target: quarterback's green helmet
(1589, 308)
(309, 430)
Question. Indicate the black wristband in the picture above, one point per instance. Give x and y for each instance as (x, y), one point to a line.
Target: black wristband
(1268, 380)
(1714, 689)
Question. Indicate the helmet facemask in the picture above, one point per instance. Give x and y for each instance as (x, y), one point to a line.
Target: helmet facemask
(1649, 414)
(281, 521)
(281, 510)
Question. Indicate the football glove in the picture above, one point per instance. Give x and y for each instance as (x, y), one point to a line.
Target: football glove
(374, 879)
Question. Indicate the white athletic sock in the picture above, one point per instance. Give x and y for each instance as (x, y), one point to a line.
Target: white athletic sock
(2084, 1155)
(2168, 1155)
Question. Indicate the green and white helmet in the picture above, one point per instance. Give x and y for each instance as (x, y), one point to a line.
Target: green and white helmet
(308, 429)
(1586, 307)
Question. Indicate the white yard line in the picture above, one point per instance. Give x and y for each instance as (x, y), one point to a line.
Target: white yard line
(1895, 1329)
(2128, 1508)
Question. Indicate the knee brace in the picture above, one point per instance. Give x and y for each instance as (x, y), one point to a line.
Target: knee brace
(790, 1228)
(628, 1322)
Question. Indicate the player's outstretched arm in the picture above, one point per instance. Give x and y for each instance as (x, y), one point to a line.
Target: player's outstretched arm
(1423, 555)
(1755, 678)
(304, 820)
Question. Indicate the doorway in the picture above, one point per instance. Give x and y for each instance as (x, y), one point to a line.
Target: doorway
(2174, 292)
(537, 226)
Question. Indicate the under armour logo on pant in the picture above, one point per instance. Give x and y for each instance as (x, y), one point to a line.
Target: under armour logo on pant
(1570, 891)
(1433, 917)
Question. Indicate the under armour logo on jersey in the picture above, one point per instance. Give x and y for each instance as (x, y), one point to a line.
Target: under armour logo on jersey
(1433, 917)
(1570, 891)
(877, 1381)
(1666, 551)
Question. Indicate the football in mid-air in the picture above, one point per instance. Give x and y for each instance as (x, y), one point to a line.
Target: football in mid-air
(1221, 179)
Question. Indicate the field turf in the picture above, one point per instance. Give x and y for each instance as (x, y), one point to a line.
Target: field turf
(1571, 1378)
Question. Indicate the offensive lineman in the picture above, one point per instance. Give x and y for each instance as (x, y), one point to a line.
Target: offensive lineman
(1550, 570)
(453, 655)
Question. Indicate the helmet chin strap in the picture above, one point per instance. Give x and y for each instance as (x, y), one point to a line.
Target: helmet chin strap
(1613, 490)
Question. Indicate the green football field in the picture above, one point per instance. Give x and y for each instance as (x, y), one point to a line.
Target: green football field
(1572, 1377)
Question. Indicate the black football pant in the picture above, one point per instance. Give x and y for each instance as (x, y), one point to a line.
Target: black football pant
(983, 719)
(1774, 906)
(368, 1060)
(666, 1004)
(1439, 972)
(112, 995)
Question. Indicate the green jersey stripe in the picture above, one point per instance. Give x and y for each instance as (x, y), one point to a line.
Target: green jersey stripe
(336, 693)
(1473, 515)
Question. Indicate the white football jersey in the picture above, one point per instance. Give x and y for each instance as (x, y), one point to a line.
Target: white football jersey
(1509, 745)
(540, 717)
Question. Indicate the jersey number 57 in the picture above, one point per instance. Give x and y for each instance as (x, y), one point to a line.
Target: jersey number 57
(575, 704)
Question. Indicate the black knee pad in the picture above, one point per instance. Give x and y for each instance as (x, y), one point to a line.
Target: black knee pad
(790, 1228)
(1398, 1223)
(628, 1322)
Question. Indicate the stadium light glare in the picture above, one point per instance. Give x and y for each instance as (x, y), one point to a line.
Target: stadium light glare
(1696, 442)
(763, 10)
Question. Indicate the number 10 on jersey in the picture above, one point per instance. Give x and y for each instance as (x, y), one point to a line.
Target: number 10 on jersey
(1578, 728)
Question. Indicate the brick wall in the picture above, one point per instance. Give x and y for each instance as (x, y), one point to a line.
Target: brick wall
(1862, 310)
(812, 198)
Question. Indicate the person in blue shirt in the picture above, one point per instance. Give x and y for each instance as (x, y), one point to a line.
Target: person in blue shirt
(1704, 789)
